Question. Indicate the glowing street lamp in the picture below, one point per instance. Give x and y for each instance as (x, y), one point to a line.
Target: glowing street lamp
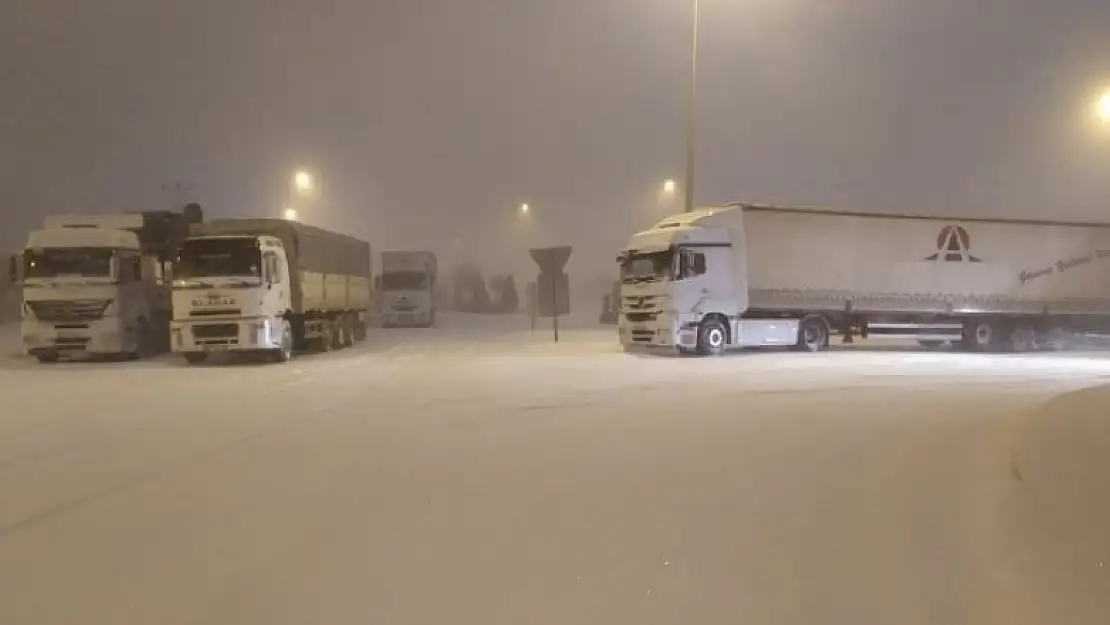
(303, 182)
(1102, 107)
(524, 208)
(291, 214)
(669, 186)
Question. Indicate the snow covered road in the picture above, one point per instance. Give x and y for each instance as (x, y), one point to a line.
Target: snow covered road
(476, 474)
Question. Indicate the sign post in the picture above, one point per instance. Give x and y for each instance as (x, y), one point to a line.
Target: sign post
(552, 285)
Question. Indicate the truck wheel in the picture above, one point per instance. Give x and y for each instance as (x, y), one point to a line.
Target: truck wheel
(1057, 339)
(1022, 339)
(813, 335)
(348, 332)
(327, 337)
(285, 352)
(712, 337)
(980, 335)
(195, 358)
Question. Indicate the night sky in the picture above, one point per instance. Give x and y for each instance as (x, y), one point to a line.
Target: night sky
(428, 122)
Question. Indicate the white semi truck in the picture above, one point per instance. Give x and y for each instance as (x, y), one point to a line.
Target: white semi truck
(100, 284)
(407, 288)
(271, 286)
(760, 276)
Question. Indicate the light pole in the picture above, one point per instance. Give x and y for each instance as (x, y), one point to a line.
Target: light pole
(691, 107)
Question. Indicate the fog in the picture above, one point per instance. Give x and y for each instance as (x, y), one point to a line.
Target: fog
(428, 122)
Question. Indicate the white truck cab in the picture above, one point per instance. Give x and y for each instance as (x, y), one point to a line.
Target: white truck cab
(407, 288)
(232, 293)
(684, 286)
(87, 287)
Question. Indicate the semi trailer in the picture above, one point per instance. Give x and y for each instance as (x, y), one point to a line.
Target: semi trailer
(745, 275)
(269, 286)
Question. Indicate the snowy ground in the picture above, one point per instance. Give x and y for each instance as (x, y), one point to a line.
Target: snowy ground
(479, 474)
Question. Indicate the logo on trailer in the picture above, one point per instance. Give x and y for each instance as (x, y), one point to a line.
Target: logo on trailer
(954, 244)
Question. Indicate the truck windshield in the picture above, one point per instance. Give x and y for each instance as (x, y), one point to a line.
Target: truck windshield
(650, 267)
(219, 258)
(404, 281)
(57, 262)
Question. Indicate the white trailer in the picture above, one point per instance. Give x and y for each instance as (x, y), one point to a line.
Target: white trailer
(746, 275)
(407, 288)
(269, 285)
(99, 284)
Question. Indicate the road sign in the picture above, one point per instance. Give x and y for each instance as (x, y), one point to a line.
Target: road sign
(552, 285)
(551, 259)
(553, 294)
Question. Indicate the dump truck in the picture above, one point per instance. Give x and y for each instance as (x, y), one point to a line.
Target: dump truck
(745, 275)
(269, 286)
(407, 288)
(99, 285)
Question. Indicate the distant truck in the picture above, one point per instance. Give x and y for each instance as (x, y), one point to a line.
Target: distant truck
(100, 284)
(758, 276)
(407, 288)
(271, 286)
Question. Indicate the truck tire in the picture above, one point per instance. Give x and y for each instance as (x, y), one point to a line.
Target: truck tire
(981, 335)
(1021, 339)
(285, 352)
(813, 335)
(1057, 339)
(712, 337)
(348, 332)
(195, 358)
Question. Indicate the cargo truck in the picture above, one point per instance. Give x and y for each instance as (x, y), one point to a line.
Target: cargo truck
(268, 286)
(100, 284)
(760, 276)
(407, 288)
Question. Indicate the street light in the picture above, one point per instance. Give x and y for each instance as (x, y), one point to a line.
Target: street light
(291, 214)
(691, 106)
(669, 186)
(524, 208)
(303, 182)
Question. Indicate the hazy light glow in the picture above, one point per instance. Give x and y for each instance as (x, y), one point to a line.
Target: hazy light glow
(303, 181)
(1103, 107)
(524, 208)
(669, 186)
(291, 214)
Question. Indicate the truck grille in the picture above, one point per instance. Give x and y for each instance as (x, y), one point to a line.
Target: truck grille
(640, 303)
(216, 331)
(69, 310)
(216, 312)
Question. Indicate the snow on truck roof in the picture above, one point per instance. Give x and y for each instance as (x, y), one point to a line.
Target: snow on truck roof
(316, 249)
(816, 210)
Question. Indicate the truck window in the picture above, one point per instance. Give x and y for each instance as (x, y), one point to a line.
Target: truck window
(692, 264)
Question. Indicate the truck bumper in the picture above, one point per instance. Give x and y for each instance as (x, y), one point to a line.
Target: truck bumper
(98, 336)
(405, 318)
(664, 331)
(225, 335)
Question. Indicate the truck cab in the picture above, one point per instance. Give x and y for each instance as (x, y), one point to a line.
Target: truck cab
(407, 289)
(684, 286)
(231, 293)
(88, 287)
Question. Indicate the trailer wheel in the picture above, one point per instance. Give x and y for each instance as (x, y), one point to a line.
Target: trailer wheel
(1057, 339)
(327, 336)
(981, 335)
(813, 335)
(1022, 339)
(712, 337)
(348, 335)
